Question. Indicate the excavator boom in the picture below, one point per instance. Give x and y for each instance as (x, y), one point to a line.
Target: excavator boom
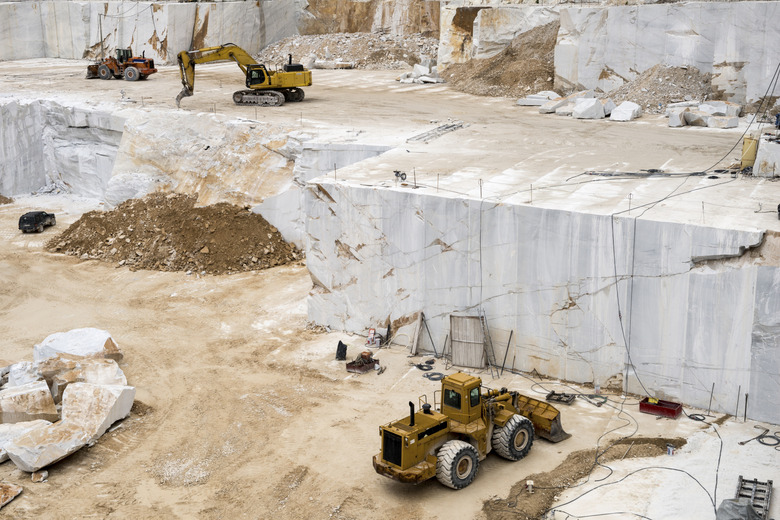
(286, 84)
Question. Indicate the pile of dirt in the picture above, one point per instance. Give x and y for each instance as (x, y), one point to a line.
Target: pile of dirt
(658, 86)
(522, 505)
(5, 200)
(364, 50)
(166, 232)
(525, 67)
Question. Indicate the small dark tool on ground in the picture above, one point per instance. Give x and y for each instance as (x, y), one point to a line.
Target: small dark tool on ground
(561, 397)
(363, 363)
(341, 351)
(764, 438)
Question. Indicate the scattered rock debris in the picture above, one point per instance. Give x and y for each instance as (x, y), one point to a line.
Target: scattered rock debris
(658, 86)
(525, 66)
(5, 200)
(166, 232)
(521, 504)
(363, 50)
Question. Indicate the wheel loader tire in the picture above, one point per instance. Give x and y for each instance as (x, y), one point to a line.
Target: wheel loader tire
(457, 464)
(104, 72)
(515, 439)
(132, 74)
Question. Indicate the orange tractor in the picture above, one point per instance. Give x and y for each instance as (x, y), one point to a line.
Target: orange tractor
(125, 65)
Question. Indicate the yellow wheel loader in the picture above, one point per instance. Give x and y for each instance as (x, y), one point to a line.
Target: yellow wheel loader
(267, 87)
(466, 422)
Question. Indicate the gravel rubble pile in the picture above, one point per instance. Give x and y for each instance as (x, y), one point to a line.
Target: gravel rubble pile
(524, 67)
(658, 86)
(166, 232)
(364, 50)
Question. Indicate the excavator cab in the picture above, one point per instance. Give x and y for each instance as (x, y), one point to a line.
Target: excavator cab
(256, 75)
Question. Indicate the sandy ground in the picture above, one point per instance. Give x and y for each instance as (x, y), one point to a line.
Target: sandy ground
(241, 410)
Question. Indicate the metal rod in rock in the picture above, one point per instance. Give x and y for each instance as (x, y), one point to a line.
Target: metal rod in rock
(739, 391)
(626, 453)
(506, 352)
(744, 419)
(435, 353)
(711, 392)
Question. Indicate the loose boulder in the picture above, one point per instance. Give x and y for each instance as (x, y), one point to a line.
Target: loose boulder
(696, 118)
(626, 111)
(27, 403)
(96, 407)
(609, 106)
(538, 99)
(87, 342)
(87, 412)
(22, 373)
(63, 369)
(723, 122)
(677, 116)
(9, 432)
(40, 447)
(554, 104)
(588, 108)
(8, 492)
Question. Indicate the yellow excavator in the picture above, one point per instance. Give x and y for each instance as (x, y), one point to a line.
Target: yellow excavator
(267, 87)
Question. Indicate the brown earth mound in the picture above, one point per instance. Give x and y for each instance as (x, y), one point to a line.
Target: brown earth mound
(663, 85)
(526, 66)
(5, 200)
(522, 505)
(166, 232)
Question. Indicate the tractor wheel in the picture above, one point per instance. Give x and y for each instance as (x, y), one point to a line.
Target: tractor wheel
(457, 464)
(515, 439)
(132, 74)
(104, 72)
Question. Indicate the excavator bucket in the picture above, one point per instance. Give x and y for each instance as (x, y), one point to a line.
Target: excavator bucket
(545, 417)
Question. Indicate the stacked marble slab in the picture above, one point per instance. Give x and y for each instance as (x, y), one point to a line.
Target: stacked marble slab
(64, 400)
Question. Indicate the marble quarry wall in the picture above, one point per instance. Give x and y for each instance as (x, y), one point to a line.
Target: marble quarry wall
(42, 142)
(735, 41)
(60, 29)
(160, 30)
(602, 47)
(482, 31)
(397, 17)
(703, 313)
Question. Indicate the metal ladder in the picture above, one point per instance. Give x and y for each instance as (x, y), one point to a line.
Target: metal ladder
(487, 344)
(759, 493)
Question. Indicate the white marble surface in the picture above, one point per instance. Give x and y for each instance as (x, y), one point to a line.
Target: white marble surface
(27, 402)
(601, 47)
(85, 342)
(551, 277)
(45, 141)
(767, 159)
(55, 29)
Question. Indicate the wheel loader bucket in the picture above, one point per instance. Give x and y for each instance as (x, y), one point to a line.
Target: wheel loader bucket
(545, 417)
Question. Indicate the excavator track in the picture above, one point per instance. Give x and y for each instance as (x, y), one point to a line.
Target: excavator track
(265, 98)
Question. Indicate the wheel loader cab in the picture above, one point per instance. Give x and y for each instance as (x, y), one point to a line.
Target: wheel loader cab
(122, 55)
(461, 398)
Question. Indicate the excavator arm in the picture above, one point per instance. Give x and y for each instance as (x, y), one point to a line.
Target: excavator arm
(188, 59)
